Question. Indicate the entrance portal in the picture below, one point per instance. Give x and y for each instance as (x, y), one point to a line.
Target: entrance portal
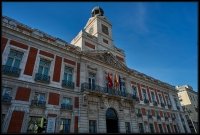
(111, 121)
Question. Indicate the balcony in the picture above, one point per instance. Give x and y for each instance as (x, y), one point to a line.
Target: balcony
(11, 71)
(96, 89)
(38, 103)
(166, 118)
(68, 84)
(6, 99)
(158, 117)
(42, 78)
(66, 107)
(169, 106)
(155, 103)
(146, 101)
(139, 115)
(162, 105)
(150, 116)
(173, 118)
(135, 97)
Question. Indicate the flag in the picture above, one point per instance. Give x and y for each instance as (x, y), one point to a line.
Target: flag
(116, 81)
(110, 83)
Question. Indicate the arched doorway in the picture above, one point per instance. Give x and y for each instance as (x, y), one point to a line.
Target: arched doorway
(111, 121)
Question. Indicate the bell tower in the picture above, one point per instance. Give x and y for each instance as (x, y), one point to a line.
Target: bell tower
(97, 35)
(99, 26)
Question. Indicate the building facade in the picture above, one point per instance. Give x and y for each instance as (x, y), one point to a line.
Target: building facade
(189, 102)
(51, 86)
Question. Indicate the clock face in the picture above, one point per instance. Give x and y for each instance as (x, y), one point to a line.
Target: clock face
(91, 30)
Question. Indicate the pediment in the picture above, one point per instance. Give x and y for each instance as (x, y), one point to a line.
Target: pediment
(108, 58)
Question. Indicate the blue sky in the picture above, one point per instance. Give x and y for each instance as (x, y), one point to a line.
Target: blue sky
(159, 38)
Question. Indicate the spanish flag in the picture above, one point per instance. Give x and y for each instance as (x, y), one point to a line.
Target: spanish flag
(110, 83)
(116, 81)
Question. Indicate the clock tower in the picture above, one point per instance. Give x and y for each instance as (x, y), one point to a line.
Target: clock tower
(97, 35)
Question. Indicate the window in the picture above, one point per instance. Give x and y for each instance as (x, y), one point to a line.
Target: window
(92, 126)
(127, 125)
(138, 111)
(144, 93)
(160, 127)
(36, 124)
(141, 128)
(6, 91)
(149, 112)
(134, 91)
(65, 126)
(151, 127)
(14, 58)
(153, 96)
(161, 99)
(39, 96)
(67, 101)
(176, 130)
(68, 73)
(105, 41)
(91, 81)
(44, 67)
(123, 88)
(105, 29)
(168, 128)
(6, 94)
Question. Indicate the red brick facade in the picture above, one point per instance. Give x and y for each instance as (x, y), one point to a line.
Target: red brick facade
(23, 94)
(69, 61)
(16, 122)
(3, 43)
(54, 98)
(57, 69)
(78, 75)
(76, 102)
(139, 91)
(89, 45)
(76, 124)
(46, 54)
(30, 61)
(18, 44)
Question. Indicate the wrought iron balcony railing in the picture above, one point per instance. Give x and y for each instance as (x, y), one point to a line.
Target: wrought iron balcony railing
(150, 116)
(146, 101)
(11, 71)
(135, 97)
(66, 106)
(38, 103)
(6, 99)
(155, 103)
(158, 117)
(162, 105)
(42, 78)
(173, 118)
(68, 84)
(105, 90)
(169, 106)
(139, 115)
